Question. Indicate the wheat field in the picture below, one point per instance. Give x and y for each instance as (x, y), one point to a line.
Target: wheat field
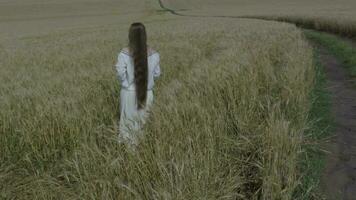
(228, 121)
(337, 17)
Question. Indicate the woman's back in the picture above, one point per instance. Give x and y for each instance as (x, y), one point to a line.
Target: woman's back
(125, 68)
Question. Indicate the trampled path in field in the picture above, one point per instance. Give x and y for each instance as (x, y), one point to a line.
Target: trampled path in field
(339, 177)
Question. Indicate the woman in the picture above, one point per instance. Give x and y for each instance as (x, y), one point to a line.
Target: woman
(137, 67)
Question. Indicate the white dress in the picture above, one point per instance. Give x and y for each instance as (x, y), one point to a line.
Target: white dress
(132, 119)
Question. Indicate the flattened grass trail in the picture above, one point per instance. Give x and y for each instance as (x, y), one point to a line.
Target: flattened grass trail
(339, 177)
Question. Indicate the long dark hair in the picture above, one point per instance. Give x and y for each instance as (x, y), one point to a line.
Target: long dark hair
(138, 50)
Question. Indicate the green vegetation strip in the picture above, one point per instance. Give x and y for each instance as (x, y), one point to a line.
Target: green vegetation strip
(320, 119)
(343, 49)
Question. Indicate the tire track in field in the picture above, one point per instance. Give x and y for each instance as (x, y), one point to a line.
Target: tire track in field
(339, 177)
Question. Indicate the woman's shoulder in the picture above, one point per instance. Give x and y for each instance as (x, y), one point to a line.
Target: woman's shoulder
(125, 51)
(150, 51)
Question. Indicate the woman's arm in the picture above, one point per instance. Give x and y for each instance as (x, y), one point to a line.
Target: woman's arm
(157, 69)
(121, 67)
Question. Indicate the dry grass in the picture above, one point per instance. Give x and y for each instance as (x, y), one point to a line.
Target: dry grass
(228, 121)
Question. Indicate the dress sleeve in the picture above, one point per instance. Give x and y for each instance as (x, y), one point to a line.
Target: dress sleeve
(121, 68)
(157, 69)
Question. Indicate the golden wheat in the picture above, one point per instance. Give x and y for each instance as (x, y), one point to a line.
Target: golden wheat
(323, 15)
(228, 121)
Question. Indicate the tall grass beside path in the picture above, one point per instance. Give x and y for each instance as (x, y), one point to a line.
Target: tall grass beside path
(227, 123)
